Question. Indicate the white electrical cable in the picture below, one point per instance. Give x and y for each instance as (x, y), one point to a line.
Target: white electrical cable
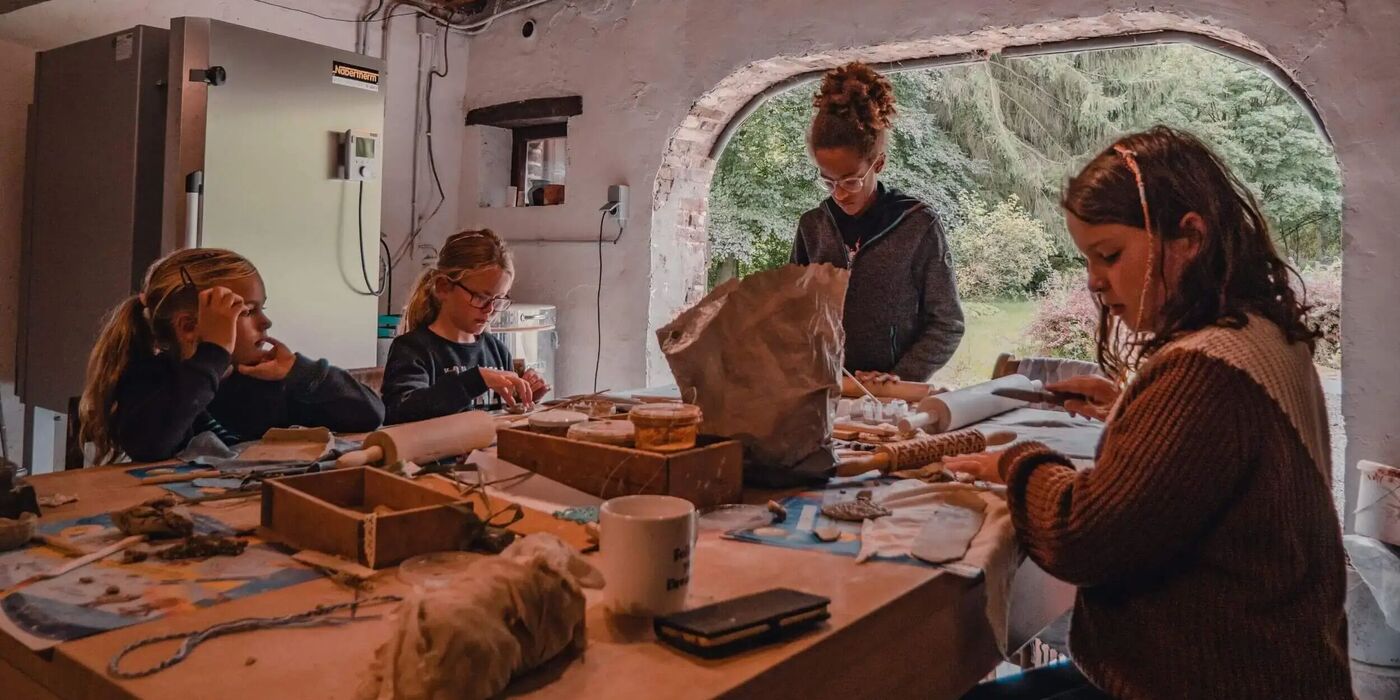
(476, 26)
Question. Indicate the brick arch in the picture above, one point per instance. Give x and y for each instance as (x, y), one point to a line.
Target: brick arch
(682, 185)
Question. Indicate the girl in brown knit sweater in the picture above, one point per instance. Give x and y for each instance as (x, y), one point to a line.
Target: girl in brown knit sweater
(1204, 541)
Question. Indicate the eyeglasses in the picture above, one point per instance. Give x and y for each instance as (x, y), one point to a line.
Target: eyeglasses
(849, 184)
(484, 301)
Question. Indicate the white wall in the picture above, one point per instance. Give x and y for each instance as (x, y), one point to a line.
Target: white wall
(60, 22)
(16, 91)
(643, 67)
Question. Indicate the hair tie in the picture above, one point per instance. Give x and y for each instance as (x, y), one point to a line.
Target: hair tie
(1130, 158)
(141, 300)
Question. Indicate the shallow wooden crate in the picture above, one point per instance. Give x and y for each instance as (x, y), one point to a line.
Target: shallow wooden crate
(333, 512)
(710, 474)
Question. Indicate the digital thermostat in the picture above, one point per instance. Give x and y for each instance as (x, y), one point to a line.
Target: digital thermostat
(359, 159)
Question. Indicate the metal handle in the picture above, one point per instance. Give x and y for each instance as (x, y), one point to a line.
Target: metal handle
(194, 202)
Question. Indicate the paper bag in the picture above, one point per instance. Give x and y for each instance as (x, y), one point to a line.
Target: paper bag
(762, 358)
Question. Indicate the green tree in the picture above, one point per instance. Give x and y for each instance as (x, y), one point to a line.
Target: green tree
(1019, 127)
(999, 250)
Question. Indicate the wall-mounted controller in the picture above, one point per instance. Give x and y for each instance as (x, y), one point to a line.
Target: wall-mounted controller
(359, 155)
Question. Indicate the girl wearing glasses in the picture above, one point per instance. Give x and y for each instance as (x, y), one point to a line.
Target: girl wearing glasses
(444, 361)
(1204, 541)
(903, 319)
(191, 354)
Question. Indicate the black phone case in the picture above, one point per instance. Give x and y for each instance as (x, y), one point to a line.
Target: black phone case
(729, 626)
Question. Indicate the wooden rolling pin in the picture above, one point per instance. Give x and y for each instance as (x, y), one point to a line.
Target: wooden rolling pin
(911, 392)
(911, 454)
(424, 441)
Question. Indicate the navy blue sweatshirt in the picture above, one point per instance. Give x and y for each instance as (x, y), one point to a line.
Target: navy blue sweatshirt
(427, 376)
(163, 402)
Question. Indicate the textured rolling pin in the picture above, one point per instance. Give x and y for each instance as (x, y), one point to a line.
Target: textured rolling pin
(920, 451)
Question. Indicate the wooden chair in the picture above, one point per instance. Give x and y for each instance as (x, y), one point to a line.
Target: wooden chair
(1046, 369)
(372, 377)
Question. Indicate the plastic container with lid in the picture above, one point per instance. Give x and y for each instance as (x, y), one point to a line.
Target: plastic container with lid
(555, 422)
(666, 427)
(605, 432)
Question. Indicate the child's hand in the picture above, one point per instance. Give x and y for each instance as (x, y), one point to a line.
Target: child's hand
(1100, 395)
(219, 310)
(537, 386)
(984, 466)
(869, 378)
(511, 387)
(274, 365)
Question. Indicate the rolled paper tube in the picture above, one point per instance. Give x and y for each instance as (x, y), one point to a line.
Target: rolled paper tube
(425, 441)
(958, 409)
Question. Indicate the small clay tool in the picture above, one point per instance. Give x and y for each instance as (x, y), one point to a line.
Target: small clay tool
(1057, 398)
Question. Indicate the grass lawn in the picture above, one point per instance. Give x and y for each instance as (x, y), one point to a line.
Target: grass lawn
(992, 328)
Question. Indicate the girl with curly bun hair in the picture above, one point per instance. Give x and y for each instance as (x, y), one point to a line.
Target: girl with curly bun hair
(902, 319)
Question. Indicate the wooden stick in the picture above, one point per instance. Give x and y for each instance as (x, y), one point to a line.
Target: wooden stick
(177, 478)
(858, 384)
(86, 559)
(360, 458)
(63, 545)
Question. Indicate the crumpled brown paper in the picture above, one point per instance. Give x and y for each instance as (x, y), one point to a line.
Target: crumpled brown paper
(762, 358)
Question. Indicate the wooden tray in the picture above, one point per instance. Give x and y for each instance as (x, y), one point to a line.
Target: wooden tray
(709, 475)
(333, 512)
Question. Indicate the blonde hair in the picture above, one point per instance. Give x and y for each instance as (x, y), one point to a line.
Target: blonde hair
(142, 326)
(462, 254)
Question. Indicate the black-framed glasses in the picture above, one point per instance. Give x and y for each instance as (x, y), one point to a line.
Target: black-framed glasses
(483, 301)
(849, 184)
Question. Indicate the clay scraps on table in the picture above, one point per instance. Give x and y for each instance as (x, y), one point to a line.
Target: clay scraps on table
(160, 518)
(856, 511)
(203, 547)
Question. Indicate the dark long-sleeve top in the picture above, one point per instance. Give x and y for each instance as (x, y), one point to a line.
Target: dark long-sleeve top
(163, 402)
(427, 376)
(902, 312)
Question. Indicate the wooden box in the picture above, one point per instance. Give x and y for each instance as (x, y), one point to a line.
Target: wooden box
(709, 475)
(362, 514)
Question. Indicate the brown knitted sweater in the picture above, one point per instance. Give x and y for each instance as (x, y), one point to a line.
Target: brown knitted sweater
(1204, 542)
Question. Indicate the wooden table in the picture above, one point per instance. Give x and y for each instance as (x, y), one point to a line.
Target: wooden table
(896, 630)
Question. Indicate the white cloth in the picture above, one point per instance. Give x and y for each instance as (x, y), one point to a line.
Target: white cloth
(506, 615)
(1379, 568)
(1074, 437)
(914, 504)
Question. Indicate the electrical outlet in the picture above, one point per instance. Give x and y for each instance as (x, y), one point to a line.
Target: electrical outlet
(617, 196)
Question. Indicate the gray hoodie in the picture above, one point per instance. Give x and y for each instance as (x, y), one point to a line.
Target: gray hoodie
(902, 311)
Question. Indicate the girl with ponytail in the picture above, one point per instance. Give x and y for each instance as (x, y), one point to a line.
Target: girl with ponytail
(902, 319)
(443, 360)
(190, 353)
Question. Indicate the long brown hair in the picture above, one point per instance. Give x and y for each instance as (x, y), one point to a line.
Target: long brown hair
(855, 109)
(1236, 271)
(462, 254)
(142, 325)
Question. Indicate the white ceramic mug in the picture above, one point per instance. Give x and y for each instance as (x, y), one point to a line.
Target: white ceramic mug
(646, 544)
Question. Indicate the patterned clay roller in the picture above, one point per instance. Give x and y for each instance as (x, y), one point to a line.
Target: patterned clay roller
(911, 454)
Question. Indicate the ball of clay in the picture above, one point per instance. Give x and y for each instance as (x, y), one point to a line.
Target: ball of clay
(506, 615)
(17, 533)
